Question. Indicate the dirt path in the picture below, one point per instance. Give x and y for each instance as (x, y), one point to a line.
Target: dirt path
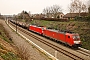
(28, 51)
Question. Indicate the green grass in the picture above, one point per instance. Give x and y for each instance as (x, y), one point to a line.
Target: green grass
(9, 56)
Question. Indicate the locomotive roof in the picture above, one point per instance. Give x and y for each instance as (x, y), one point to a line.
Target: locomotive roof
(67, 31)
(61, 31)
(37, 26)
(53, 30)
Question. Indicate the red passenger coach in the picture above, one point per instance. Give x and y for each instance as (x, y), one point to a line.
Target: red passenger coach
(37, 29)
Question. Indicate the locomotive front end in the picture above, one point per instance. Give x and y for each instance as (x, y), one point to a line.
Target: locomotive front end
(76, 39)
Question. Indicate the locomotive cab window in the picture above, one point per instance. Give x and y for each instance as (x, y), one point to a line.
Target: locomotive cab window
(42, 28)
(76, 37)
(68, 36)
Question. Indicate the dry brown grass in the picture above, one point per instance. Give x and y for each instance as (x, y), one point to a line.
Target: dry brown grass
(23, 52)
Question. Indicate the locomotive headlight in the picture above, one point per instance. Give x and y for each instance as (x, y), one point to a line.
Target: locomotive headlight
(77, 42)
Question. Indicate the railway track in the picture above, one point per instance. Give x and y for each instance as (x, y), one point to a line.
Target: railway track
(63, 51)
(83, 52)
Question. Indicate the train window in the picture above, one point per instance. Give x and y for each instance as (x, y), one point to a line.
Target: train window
(42, 28)
(78, 37)
(68, 36)
(75, 37)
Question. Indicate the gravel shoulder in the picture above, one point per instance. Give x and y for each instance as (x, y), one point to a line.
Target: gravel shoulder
(28, 50)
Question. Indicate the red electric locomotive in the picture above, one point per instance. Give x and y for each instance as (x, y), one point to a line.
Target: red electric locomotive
(72, 39)
(37, 29)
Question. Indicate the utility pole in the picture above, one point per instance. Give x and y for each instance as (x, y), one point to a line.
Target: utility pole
(16, 24)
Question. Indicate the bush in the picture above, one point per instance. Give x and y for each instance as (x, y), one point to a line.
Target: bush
(54, 19)
(88, 18)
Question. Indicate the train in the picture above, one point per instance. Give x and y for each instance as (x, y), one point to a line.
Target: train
(70, 38)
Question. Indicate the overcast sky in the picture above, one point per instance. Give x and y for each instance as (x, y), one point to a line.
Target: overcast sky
(10, 7)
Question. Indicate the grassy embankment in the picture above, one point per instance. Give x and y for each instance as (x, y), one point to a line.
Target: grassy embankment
(81, 27)
(7, 52)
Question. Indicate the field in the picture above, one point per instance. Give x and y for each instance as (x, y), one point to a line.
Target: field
(81, 27)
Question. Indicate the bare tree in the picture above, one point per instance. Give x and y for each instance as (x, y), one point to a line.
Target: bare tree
(88, 2)
(29, 13)
(72, 7)
(77, 6)
(88, 6)
(46, 11)
(52, 10)
(89, 10)
(56, 9)
(84, 8)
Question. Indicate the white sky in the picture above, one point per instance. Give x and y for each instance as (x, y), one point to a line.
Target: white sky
(10, 7)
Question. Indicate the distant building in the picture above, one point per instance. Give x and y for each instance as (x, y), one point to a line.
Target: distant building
(58, 15)
(50, 15)
(38, 16)
(73, 15)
